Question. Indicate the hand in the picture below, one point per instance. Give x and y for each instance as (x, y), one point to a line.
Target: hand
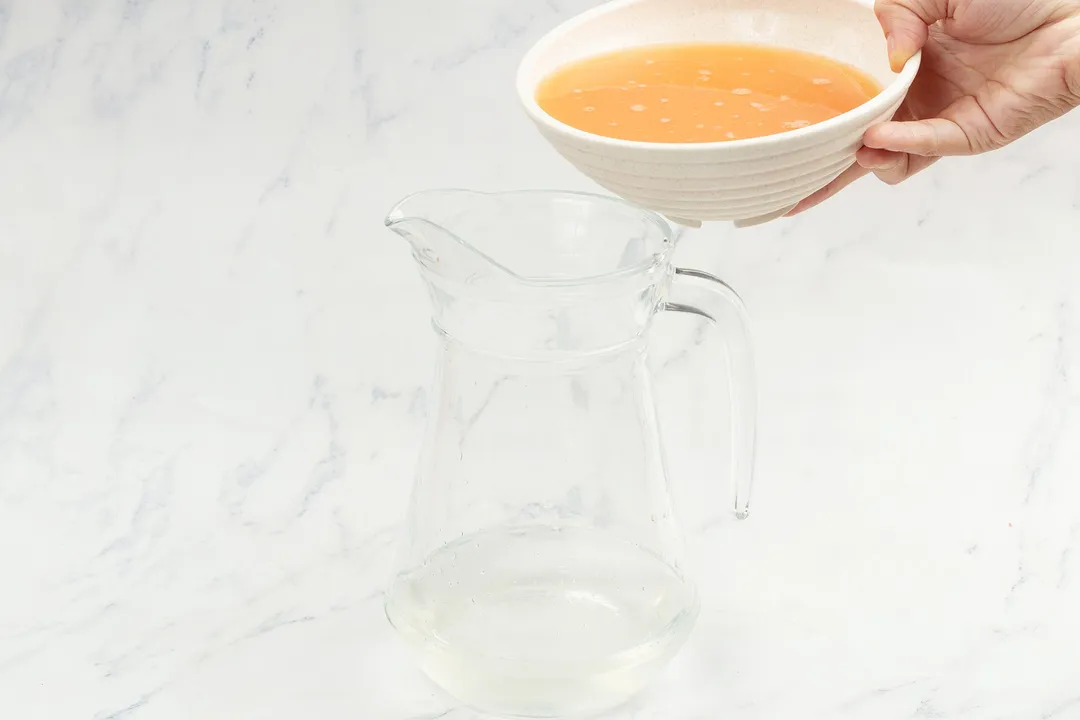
(992, 71)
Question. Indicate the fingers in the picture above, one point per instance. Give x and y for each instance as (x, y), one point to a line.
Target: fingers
(935, 137)
(845, 178)
(907, 24)
(889, 167)
(892, 167)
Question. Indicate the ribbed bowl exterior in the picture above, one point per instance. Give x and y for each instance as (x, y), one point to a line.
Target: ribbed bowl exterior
(715, 182)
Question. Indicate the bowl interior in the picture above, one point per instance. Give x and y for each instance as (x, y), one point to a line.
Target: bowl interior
(844, 30)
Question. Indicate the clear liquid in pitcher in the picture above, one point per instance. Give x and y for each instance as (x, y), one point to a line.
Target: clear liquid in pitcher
(543, 622)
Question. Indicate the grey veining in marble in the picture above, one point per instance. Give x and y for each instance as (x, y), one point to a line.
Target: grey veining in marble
(214, 367)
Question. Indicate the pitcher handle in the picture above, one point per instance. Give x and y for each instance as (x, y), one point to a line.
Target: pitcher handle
(699, 293)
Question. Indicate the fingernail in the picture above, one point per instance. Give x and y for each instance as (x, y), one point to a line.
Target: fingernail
(896, 59)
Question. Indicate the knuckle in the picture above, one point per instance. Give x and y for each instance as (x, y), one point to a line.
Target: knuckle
(936, 142)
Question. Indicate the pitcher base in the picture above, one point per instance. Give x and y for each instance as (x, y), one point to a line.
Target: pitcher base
(543, 622)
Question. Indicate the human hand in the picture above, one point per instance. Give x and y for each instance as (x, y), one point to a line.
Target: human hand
(992, 71)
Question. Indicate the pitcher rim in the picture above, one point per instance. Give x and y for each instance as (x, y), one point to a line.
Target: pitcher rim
(666, 228)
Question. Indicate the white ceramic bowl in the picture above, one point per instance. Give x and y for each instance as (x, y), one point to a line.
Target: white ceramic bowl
(748, 181)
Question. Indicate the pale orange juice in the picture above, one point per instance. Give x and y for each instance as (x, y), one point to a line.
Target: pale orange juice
(701, 92)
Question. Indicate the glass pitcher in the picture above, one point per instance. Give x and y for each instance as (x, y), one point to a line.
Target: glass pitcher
(541, 572)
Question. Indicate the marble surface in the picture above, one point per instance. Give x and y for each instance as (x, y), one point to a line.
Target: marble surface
(214, 367)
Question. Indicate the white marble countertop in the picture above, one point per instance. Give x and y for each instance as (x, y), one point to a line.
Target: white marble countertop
(213, 361)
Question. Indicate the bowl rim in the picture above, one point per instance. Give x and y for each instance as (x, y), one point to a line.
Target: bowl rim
(890, 95)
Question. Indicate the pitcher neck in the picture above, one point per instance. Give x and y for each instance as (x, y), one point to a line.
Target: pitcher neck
(547, 323)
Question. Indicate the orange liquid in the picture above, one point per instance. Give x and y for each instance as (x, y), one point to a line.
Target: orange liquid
(692, 93)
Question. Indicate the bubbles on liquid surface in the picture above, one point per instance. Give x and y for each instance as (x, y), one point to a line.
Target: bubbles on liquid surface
(702, 91)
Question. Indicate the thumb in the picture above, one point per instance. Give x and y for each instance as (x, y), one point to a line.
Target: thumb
(907, 25)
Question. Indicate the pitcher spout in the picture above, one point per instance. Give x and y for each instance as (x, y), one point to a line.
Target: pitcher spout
(422, 218)
(444, 228)
(427, 210)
